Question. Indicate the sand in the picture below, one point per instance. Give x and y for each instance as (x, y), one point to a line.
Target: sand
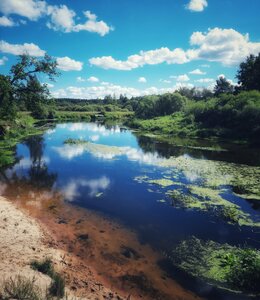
(22, 240)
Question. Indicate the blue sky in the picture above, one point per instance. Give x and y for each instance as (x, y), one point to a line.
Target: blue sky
(132, 47)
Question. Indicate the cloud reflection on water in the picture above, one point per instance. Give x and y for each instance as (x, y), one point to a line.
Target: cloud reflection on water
(95, 186)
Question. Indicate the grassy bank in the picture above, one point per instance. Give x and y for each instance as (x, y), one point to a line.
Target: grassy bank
(176, 124)
(11, 132)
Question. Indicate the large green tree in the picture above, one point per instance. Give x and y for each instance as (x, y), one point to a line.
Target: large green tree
(248, 74)
(23, 85)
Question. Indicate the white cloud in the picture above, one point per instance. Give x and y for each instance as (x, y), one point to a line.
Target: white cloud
(68, 64)
(92, 25)
(93, 79)
(226, 46)
(151, 57)
(181, 78)
(3, 60)
(18, 49)
(99, 92)
(31, 9)
(61, 18)
(197, 72)
(142, 79)
(165, 81)
(205, 80)
(197, 5)
(6, 22)
(80, 79)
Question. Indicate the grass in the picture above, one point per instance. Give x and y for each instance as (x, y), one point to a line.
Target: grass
(57, 287)
(236, 268)
(92, 115)
(20, 288)
(176, 124)
(44, 266)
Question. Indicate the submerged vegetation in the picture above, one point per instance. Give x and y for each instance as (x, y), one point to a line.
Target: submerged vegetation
(236, 268)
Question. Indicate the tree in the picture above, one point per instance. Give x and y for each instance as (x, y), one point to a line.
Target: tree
(223, 86)
(23, 85)
(248, 74)
(7, 105)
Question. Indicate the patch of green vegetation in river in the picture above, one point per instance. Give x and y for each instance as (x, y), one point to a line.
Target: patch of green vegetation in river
(230, 267)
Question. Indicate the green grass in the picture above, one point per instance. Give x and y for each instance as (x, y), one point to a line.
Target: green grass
(20, 288)
(235, 268)
(57, 287)
(176, 124)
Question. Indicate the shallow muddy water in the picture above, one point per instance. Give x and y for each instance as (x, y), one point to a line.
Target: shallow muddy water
(135, 179)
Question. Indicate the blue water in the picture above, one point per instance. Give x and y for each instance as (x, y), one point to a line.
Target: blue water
(105, 183)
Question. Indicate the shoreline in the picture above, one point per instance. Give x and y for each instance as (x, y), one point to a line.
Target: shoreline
(98, 257)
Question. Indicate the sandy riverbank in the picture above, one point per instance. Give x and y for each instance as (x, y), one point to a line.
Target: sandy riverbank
(98, 257)
(22, 240)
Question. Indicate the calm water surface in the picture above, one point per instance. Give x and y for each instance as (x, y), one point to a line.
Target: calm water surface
(104, 182)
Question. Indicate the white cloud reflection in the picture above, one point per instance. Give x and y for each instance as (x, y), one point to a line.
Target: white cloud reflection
(108, 153)
(95, 186)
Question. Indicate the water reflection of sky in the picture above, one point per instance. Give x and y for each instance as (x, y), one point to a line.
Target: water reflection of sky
(101, 178)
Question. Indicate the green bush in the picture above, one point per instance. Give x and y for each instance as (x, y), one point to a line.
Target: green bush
(57, 287)
(44, 266)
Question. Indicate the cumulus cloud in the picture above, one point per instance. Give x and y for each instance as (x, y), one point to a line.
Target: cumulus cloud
(226, 46)
(197, 5)
(151, 57)
(93, 79)
(92, 25)
(197, 72)
(61, 18)
(18, 49)
(99, 92)
(3, 60)
(142, 79)
(68, 64)
(7, 22)
(31, 9)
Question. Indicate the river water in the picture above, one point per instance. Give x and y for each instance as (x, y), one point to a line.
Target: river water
(128, 177)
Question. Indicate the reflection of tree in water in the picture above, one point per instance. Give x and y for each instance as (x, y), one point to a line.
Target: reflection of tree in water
(39, 175)
(147, 144)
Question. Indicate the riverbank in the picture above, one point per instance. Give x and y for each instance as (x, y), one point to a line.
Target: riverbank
(79, 242)
(24, 240)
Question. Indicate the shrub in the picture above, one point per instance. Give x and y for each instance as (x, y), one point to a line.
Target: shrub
(20, 288)
(57, 287)
(44, 266)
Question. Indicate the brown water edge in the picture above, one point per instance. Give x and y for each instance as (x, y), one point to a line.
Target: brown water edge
(98, 247)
